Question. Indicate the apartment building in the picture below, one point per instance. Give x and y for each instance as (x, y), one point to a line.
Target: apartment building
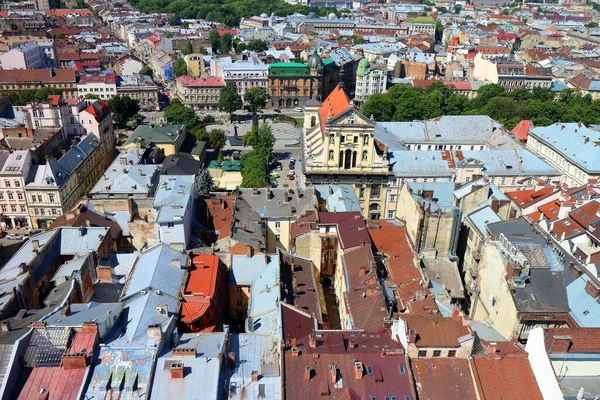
(13, 178)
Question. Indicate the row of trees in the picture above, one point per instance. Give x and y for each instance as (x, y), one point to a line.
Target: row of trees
(228, 12)
(230, 100)
(542, 106)
(255, 163)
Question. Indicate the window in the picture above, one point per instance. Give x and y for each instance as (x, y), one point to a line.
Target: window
(277, 225)
(402, 369)
(23, 209)
(17, 184)
(238, 290)
(10, 196)
(406, 397)
(451, 353)
(390, 215)
(365, 155)
(468, 179)
(369, 370)
(361, 193)
(393, 198)
(42, 211)
(13, 208)
(422, 353)
(35, 211)
(355, 139)
(170, 225)
(20, 196)
(51, 197)
(1, 196)
(437, 353)
(7, 183)
(238, 303)
(277, 238)
(502, 181)
(54, 211)
(330, 155)
(342, 138)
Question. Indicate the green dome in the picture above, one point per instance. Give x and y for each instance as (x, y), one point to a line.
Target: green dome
(315, 61)
(363, 67)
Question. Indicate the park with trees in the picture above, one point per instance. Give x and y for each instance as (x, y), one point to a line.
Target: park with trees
(542, 106)
(255, 163)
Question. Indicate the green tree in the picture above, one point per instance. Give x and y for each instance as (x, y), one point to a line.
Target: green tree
(256, 98)
(187, 49)
(215, 39)
(124, 108)
(146, 70)
(380, 107)
(179, 68)
(217, 139)
(439, 30)
(257, 45)
(592, 24)
(59, 36)
(205, 183)
(229, 99)
(240, 47)
(201, 134)
(225, 43)
(91, 96)
(177, 113)
(43, 93)
(202, 50)
(260, 138)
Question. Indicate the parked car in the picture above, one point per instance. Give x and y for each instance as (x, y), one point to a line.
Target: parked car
(292, 160)
(279, 167)
(291, 176)
(274, 174)
(14, 236)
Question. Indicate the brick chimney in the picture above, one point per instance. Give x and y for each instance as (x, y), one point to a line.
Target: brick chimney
(358, 370)
(231, 357)
(560, 344)
(89, 327)
(66, 311)
(293, 341)
(362, 271)
(184, 352)
(312, 341)
(154, 331)
(412, 336)
(5, 326)
(104, 272)
(254, 376)
(307, 373)
(492, 347)
(176, 371)
(576, 272)
(333, 373)
(592, 289)
(295, 352)
(75, 360)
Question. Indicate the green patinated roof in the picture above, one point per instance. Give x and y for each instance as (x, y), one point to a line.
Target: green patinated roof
(328, 61)
(164, 133)
(420, 20)
(288, 69)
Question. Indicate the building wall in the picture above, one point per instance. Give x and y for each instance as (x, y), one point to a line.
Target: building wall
(484, 69)
(278, 227)
(408, 210)
(200, 98)
(494, 303)
(571, 173)
(375, 82)
(308, 245)
(238, 293)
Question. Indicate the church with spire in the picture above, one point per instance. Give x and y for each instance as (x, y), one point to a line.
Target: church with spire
(339, 147)
(292, 84)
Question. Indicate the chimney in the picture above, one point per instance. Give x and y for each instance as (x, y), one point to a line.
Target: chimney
(176, 371)
(184, 352)
(139, 172)
(333, 373)
(307, 373)
(592, 289)
(38, 325)
(295, 352)
(66, 311)
(176, 262)
(154, 331)
(358, 370)
(576, 272)
(75, 360)
(231, 357)
(254, 376)
(89, 327)
(492, 347)
(63, 152)
(123, 161)
(330, 190)
(312, 341)
(269, 194)
(286, 198)
(88, 223)
(560, 344)
(412, 336)
(362, 271)
(35, 244)
(5, 326)
(293, 341)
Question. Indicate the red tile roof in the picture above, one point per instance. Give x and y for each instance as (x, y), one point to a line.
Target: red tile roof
(100, 109)
(65, 12)
(203, 275)
(583, 340)
(336, 103)
(521, 131)
(220, 212)
(436, 331)
(586, 215)
(351, 227)
(37, 76)
(83, 341)
(56, 382)
(200, 82)
(525, 198)
(333, 348)
(496, 378)
(304, 224)
(567, 227)
(443, 378)
(581, 81)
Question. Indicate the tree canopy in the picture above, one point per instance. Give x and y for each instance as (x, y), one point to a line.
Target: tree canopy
(228, 12)
(146, 70)
(225, 41)
(255, 163)
(28, 96)
(124, 108)
(256, 98)
(177, 113)
(404, 103)
(179, 67)
(257, 45)
(187, 49)
(217, 139)
(229, 99)
(204, 183)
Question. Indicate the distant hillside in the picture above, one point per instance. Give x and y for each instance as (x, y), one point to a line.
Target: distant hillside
(226, 11)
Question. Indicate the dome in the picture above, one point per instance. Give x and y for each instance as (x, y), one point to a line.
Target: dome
(315, 61)
(263, 15)
(332, 16)
(363, 67)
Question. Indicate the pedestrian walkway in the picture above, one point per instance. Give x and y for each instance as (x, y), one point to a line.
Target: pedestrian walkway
(285, 134)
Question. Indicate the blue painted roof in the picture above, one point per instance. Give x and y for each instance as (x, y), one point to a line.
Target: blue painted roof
(443, 194)
(338, 198)
(573, 141)
(481, 217)
(511, 162)
(427, 163)
(585, 309)
(172, 196)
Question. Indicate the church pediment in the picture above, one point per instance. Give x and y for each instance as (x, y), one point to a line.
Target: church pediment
(350, 117)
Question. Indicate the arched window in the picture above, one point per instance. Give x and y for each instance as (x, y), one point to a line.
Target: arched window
(313, 121)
